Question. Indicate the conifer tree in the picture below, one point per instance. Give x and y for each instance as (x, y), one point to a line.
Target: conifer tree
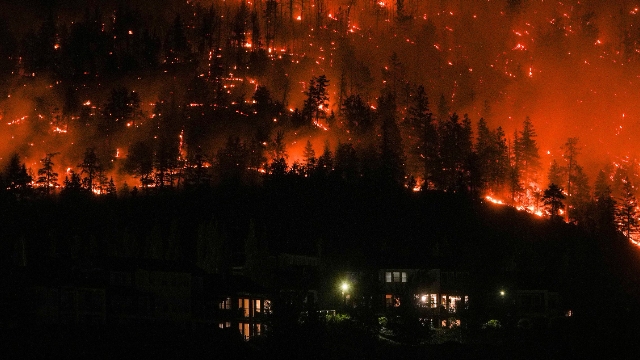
(47, 178)
(90, 167)
(309, 157)
(626, 212)
(391, 153)
(552, 200)
(317, 103)
(16, 178)
(527, 156)
(325, 161)
(420, 118)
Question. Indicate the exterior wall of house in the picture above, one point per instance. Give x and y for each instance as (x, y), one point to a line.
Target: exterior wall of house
(245, 312)
(439, 295)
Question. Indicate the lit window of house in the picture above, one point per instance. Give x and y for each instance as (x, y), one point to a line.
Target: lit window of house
(256, 306)
(244, 330)
(225, 304)
(224, 325)
(243, 304)
(388, 300)
(428, 300)
(395, 276)
(454, 301)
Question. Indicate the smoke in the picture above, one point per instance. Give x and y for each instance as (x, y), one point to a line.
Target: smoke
(571, 66)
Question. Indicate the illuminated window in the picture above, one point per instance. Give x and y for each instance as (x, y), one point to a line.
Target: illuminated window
(225, 304)
(388, 300)
(395, 276)
(454, 301)
(244, 330)
(243, 304)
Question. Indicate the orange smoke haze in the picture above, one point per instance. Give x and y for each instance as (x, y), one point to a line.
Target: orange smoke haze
(573, 67)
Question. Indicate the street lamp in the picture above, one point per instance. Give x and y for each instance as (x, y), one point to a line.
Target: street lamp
(344, 287)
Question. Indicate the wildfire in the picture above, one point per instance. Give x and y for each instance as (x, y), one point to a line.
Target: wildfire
(319, 125)
(17, 121)
(494, 200)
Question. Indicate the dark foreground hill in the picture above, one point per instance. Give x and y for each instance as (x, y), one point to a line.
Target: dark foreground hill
(348, 228)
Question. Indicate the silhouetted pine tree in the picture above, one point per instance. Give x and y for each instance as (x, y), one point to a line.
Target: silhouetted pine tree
(47, 178)
(626, 211)
(552, 200)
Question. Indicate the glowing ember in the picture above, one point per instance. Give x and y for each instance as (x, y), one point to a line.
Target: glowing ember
(17, 121)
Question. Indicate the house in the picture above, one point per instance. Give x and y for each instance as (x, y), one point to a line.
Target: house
(439, 295)
(242, 305)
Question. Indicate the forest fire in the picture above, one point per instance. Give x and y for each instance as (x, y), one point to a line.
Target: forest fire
(494, 200)
(217, 155)
(197, 88)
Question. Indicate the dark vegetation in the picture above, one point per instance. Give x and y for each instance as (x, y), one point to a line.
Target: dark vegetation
(349, 227)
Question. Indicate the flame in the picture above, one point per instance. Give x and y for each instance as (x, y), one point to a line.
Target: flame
(494, 200)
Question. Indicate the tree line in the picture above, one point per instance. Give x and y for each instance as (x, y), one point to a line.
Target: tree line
(450, 157)
(395, 139)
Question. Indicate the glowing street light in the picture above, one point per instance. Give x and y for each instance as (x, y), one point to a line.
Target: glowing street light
(502, 296)
(344, 287)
